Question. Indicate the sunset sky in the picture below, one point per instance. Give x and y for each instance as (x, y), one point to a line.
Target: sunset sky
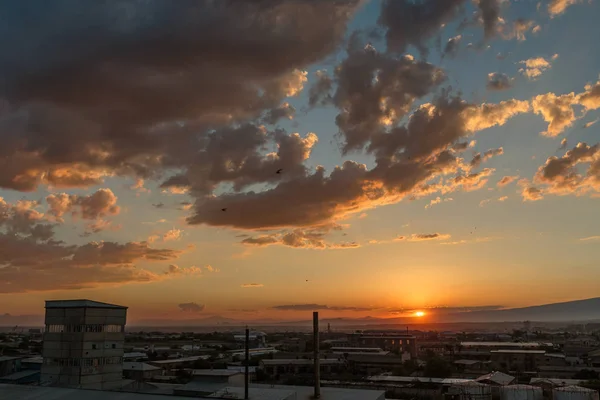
(263, 159)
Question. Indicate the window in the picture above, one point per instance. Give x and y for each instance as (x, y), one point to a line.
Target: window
(114, 346)
(93, 347)
(55, 328)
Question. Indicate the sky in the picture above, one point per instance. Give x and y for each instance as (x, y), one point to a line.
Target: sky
(265, 159)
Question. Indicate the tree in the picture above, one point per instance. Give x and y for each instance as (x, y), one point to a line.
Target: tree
(437, 367)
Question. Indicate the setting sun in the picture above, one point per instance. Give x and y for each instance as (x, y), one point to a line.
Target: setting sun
(419, 314)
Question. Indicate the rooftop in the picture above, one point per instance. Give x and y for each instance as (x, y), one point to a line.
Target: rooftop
(519, 351)
(416, 379)
(8, 358)
(499, 378)
(215, 372)
(302, 361)
(138, 366)
(81, 303)
(500, 344)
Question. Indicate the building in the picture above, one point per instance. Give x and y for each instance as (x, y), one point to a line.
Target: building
(392, 341)
(83, 344)
(281, 368)
(257, 339)
(226, 376)
(9, 365)
(139, 371)
(517, 360)
(372, 364)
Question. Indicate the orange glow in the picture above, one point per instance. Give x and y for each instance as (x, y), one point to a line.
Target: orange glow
(419, 314)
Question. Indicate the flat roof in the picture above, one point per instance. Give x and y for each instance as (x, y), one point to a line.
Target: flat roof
(417, 379)
(215, 372)
(302, 361)
(139, 366)
(519, 351)
(327, 393)
(81, 303)
(497, 344)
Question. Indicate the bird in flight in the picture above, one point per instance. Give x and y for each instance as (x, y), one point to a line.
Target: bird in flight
(280, 170)
(223, 209)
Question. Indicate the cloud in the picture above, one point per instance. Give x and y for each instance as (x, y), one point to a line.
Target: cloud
(590, 238)
(94, 207)
(33, 260)
(556, 110)
(191, 307)
(560, 174)
(557, 7)
(407, 158)
(480, 158)
(438, 200)
(521, 26)
(452, 45)
(535, 67)
(305, 239)
(447, 310)
(318, 307)
(529, 192)
(284, 111)
(62, 126)
(175, 270)
(252, 285)
(503, 198)
(507, 180)
(422, 237)
(588, 124)
(498, 81)
(171, 235)
(590, 98)
(409, 23)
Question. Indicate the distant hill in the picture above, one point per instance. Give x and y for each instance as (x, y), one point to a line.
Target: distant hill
(578, 310)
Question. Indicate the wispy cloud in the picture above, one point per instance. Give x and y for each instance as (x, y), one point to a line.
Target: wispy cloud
(590, 238)
(317, 307)
(252, 285)
(191, 307)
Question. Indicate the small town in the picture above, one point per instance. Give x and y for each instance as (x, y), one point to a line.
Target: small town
(86, 345)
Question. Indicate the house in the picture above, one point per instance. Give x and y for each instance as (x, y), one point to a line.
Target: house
(225, 376)
(279, 368)
(9, 365)
(496, 379)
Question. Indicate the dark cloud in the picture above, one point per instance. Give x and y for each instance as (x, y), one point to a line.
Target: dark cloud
(490, 15)
(452, 46)
(498, 81)
(284, 111)
(407, 157)
(320, 92)
(415, 23)
(374, 91)
(318, 307)
(191, 307)
(144, 89)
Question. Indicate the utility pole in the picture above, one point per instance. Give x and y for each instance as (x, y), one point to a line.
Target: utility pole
(246, 376)
(317, 364)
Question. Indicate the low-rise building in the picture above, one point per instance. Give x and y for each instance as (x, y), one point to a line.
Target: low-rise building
(140, 371)
(279, 368)
(373, 364)
(225, 376)
(392, 341)
(9, 365)
(517, 359)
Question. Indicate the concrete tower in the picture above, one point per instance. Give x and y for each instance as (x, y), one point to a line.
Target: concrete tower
(83, 344)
